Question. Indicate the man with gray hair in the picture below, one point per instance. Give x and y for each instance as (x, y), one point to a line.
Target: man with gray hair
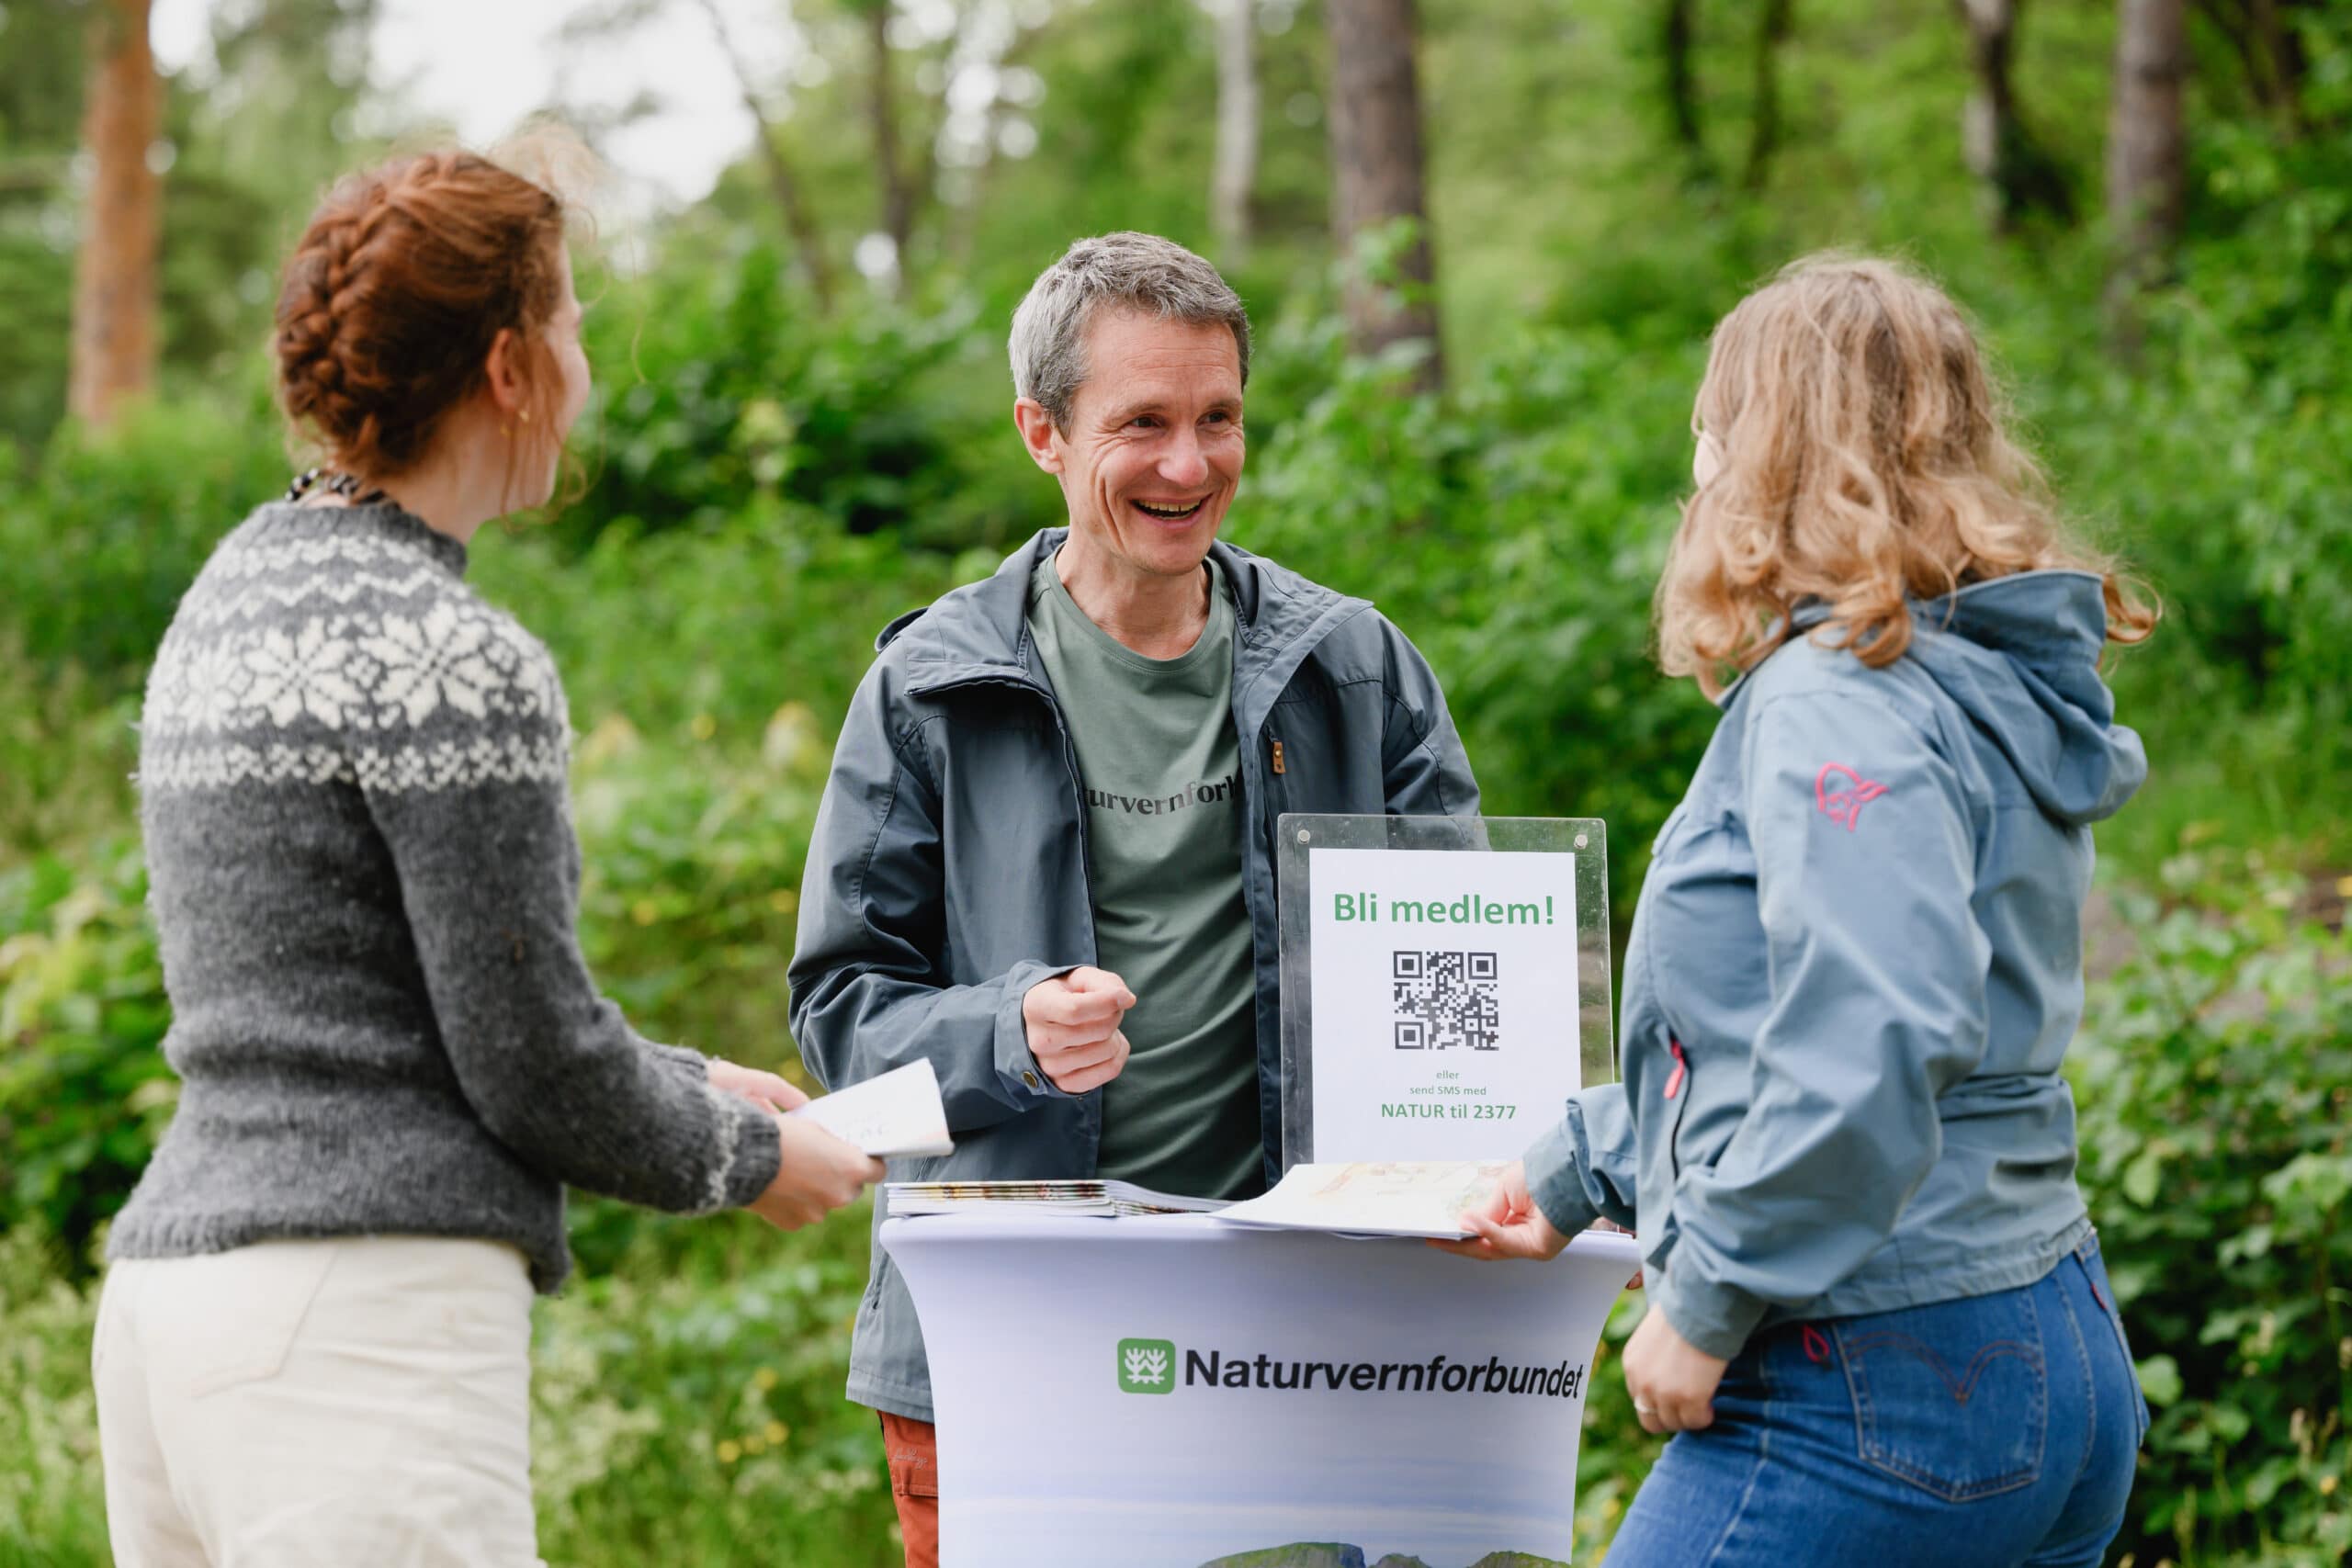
(1045, 857)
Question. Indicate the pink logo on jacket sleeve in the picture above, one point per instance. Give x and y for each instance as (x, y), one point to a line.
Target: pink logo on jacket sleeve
(1841, 794)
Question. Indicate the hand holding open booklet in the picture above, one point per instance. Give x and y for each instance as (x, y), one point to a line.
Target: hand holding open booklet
(894, 1116)
(1368, 1198)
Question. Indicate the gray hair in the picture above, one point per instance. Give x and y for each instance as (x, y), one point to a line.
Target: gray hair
(1127, 270)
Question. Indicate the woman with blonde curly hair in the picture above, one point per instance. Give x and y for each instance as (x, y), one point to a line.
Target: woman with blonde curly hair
(313, 1346)
(1878, 1320)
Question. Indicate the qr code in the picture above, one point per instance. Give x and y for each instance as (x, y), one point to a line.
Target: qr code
(1446, 1000)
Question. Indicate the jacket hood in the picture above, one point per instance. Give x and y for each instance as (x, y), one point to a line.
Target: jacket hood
(2019, 655)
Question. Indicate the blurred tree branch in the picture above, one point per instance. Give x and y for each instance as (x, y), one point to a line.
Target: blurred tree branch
(807, 243)
(1774, 25)
(1681, 82)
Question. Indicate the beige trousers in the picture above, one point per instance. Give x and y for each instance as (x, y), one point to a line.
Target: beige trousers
(358, 1400)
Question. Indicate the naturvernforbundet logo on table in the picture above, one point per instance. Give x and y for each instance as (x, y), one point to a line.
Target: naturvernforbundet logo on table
(1151, 1366)
(1147, 1366)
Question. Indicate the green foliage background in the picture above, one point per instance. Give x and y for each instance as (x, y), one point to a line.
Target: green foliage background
(767, 486)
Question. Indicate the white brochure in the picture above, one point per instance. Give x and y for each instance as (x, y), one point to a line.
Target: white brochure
(897, 1115)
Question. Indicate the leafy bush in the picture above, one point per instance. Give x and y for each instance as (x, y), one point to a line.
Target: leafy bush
(52, 1504)
(1514, 530)
(689, 1403)
(67, 750)
(84, 1090)
(2214, 1076)
(102, 536)
(676, 630)
(745, 391)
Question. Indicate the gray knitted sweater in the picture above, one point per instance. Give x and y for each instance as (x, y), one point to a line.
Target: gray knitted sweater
(361, 863)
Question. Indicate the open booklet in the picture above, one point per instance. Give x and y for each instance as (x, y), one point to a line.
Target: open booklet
(1363, 1200)
(897, 1115)
(1424, 1198)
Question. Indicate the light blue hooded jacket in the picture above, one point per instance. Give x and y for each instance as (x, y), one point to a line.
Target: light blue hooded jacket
(1855, 965)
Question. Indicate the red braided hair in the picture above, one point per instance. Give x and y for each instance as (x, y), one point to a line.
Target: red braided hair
(404, 280)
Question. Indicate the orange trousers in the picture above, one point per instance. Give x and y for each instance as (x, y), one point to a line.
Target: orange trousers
(912, 1449)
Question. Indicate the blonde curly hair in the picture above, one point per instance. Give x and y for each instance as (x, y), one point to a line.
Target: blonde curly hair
(1865, 463)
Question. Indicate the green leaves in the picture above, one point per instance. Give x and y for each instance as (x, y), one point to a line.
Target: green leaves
(2142, 1176)
(2213, 1075)
(82, 1017)
(2160, 1381)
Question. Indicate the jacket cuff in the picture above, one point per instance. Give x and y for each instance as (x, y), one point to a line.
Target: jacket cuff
(1556, 1184)
(1714, 1316)
(1024, 1080)
(750, 1148)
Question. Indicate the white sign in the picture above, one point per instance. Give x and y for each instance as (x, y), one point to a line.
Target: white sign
(1443, 1001)
(1174, 1392)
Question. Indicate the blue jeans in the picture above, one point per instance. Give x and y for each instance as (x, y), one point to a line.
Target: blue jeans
(1991, 1432)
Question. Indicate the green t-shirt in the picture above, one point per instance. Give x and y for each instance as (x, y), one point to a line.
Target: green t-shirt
(1162, 772)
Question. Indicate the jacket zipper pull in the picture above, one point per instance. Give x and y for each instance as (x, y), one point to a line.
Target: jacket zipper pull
(1674, 1084)
(1278, 756)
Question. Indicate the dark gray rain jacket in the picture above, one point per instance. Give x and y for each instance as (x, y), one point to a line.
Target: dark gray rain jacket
(948, 872)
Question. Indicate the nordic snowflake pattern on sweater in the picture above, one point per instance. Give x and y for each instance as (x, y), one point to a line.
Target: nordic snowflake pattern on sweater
(340, 654)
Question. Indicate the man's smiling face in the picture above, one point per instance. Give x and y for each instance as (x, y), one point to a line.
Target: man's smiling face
(1154, 449)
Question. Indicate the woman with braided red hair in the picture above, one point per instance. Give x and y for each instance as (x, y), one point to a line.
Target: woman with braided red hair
(313, 1342)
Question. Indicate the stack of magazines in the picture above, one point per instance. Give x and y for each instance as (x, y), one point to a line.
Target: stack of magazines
(1369, 1199)
(1108, 1199)
(900, 1115)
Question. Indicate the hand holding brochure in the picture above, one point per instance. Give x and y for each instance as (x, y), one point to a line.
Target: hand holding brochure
(1373, 1199)
(897, 1114)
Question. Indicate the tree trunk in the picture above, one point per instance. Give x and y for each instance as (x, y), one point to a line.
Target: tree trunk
(2145, 150)
(2018, 177)
(1236, 179)
(1764, 132)
(116, 276)
(1376, 166)
(1681, 82)
(898, 200)
(798, 220)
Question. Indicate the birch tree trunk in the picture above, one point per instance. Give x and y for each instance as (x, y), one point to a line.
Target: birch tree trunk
(1376, 169)
(2018, 177)
(2145, 150)
(116, 270)
(1235, 182)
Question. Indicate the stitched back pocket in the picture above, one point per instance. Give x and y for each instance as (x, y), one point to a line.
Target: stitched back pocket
(231, 1317)
(1953, 1398)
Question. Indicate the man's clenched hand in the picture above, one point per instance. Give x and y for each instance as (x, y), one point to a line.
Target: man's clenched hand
(1073, 1028)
